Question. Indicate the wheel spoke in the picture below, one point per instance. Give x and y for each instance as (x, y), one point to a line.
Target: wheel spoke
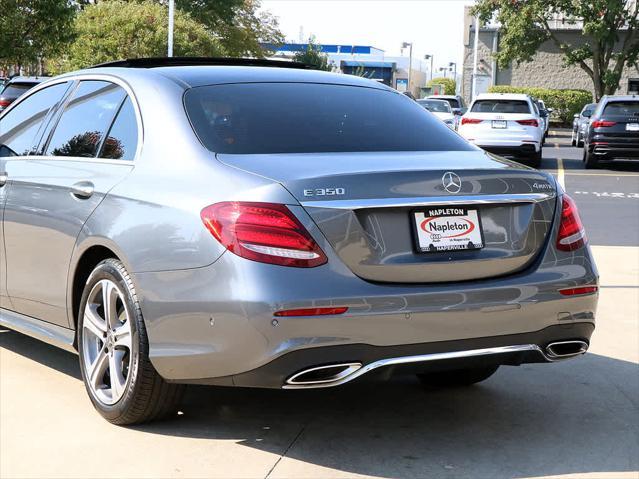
(97, 369)
(122, 336)
(93, 322)
(115, 374)
(109, 296)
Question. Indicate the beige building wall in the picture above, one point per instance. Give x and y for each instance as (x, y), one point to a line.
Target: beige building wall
(546, 70)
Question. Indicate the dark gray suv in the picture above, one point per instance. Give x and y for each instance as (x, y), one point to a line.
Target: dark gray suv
(613, 131)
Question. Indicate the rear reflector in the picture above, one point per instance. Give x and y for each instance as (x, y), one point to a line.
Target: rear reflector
(603, 124)
(580, 290)
(263, 232)
(470, 121)
(528, 122)
(572, 234)
(311, 312)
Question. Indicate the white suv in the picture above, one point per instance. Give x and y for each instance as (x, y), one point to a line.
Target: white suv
(507, 124)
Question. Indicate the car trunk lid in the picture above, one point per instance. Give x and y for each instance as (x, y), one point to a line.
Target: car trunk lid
(365, 205)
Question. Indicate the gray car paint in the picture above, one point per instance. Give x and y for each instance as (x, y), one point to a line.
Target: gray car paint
(210, 313)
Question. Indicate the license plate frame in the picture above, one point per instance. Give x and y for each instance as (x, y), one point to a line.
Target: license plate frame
(444, 216)
(499, 124)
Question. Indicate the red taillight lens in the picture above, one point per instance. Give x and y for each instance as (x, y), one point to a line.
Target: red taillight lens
(571, 235)
(528, 122)
(264, 232)
(603, 124)
(310, 312)
(470, 121)
(4, 103)
(578, 291)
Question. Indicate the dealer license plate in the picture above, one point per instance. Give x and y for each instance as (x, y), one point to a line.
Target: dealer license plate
(447, 229)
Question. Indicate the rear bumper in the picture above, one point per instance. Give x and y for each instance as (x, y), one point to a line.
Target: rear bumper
(608, 150)
(526, 149)
(510, 350)
(526, 145)
(215, 325)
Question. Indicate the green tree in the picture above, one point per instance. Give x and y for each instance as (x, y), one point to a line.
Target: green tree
(117, 29)
(313, 56)
(450, 85)
(610, 36)
(240, 25)
(33, 29)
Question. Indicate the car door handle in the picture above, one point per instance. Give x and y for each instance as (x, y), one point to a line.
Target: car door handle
(82, 189)
(3, 179)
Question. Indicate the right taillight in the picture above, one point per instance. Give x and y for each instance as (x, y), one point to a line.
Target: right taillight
(571, 234)
(470, 121)
(4, 103)
(264, 232)
(603, 124)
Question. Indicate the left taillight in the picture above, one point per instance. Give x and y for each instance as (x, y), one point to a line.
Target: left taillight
(572, 234)
(263, 232)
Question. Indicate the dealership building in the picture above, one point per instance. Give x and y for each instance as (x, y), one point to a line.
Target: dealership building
(369, 62)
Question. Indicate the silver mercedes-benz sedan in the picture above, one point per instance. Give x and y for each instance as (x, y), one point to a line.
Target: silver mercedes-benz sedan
(253, 223)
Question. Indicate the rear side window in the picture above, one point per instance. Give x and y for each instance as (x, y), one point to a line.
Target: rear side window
(86, 119)
(20, 126)
(122, 139)
(255, 118)
(501, 106)
(623, 108)
(14, 90)
(452, 102)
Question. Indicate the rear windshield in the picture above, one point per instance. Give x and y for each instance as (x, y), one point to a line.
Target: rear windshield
(14, 90)
(254, 118)
(501, 106)
(437, 106)
(622, 108)
(452, 102)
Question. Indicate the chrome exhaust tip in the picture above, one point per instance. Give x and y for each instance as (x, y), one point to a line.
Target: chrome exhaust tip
(323, 374)
(566, 349)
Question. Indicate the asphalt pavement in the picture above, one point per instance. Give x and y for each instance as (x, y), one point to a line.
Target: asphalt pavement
(577, 419)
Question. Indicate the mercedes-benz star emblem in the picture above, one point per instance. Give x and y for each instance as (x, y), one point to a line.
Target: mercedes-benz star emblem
(452, 183)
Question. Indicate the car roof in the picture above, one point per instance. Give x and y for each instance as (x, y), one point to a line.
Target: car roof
(26, 79)
(620, 98)
(502, 96)
(430, 98)
(443, 97)
(190, 74)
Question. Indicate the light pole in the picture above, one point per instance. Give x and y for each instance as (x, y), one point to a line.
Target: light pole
(431, 58)
(473, 89)
(444, 70)
(453, 65)
(410, 59)
(171, 15)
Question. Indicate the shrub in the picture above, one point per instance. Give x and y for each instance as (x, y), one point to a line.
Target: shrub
(450, 85)
(565, 103)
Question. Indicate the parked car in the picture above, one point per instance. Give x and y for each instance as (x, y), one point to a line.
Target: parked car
(580, 124)
(613, 130)
(507, 124)
(456, 104)
(225, 236)
(544, 115)
(441, 109)
(15, 87)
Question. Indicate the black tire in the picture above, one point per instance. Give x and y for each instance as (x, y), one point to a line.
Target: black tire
(573, 140)
(457, 378)
(580, 141)
(534, 160)
(590, 161)
(146, 395)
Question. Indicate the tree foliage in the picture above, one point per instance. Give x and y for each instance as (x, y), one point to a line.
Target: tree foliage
(450, 85)
(609, 42)
(117, 29)
(239, 24)
(313, 56)
(32, 29)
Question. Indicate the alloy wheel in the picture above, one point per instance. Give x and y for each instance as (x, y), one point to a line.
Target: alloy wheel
(106, 342)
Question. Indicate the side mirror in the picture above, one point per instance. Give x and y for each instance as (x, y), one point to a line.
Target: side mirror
(576, 115)
(550, 110)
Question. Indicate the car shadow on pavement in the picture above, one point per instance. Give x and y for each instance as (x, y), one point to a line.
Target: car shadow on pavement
(578, 417)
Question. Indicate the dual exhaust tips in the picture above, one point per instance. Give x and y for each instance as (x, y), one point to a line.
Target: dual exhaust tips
(340, 373)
